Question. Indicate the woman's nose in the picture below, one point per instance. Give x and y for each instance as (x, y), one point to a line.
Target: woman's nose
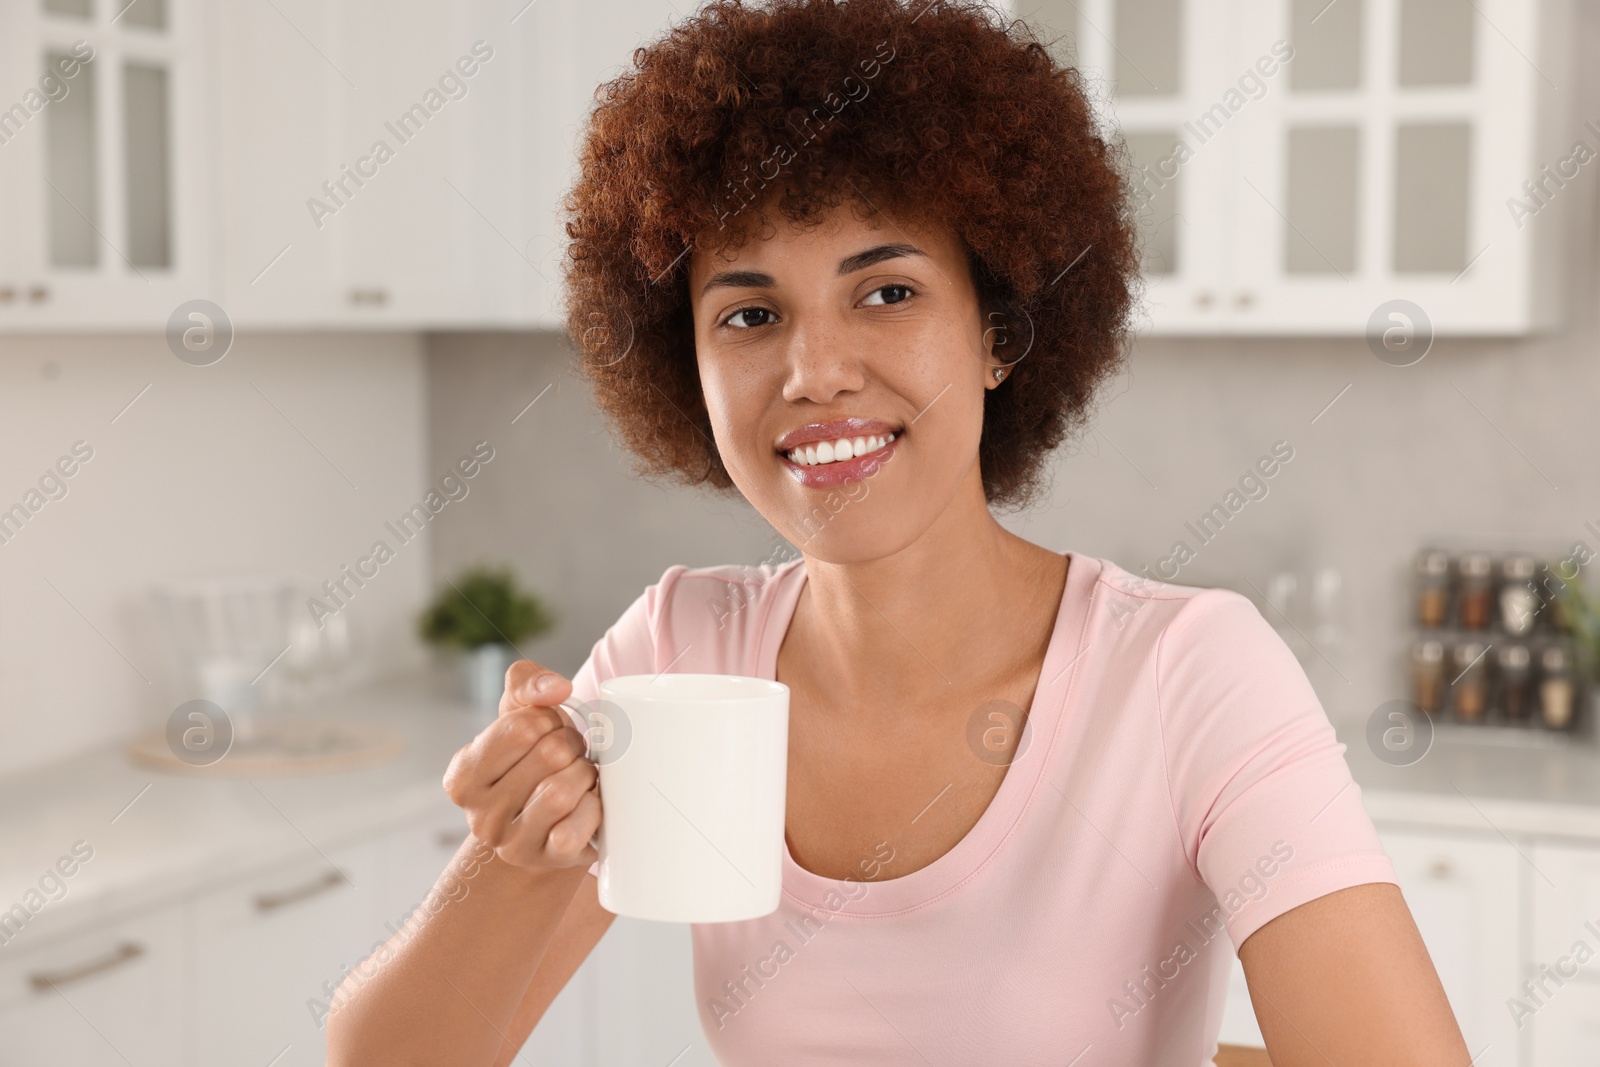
(823, 361)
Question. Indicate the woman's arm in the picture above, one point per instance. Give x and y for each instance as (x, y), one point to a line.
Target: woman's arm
(580, 930)
(1346, 979)
(469, 984)
(454, 985)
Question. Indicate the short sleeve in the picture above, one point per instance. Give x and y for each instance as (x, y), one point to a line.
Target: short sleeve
(628, 647)
(1269, 815)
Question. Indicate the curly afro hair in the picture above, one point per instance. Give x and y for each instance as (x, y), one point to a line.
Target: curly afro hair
(931, 109)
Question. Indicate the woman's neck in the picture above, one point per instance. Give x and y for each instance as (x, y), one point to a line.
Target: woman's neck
(952, 616)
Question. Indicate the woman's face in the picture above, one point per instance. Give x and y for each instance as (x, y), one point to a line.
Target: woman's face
(876, 322)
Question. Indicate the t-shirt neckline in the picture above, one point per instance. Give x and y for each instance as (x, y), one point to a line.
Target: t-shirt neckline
(920, 888)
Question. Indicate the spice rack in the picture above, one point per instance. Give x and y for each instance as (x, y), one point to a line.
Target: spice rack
(1494, 644)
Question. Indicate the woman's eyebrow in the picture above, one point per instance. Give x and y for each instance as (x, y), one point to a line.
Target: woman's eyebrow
(755, 279)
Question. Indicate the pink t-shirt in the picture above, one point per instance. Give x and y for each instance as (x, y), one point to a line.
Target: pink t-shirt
(1178, 785)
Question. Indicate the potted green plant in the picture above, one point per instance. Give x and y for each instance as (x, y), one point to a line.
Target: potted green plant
(480, 618)
(1580, 615)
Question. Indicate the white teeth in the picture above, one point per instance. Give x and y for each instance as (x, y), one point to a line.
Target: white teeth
(821, 452)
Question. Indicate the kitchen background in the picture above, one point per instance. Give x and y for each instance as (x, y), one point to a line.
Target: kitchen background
(378, 334)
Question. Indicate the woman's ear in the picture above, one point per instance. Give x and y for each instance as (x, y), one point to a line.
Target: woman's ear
(997, 345)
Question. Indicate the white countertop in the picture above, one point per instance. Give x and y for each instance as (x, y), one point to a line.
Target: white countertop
(1551, 790)
(186, 832)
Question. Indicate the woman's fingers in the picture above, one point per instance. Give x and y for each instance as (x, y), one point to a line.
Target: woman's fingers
(554, 799)
(523, 690)
(553, 753)
(568, 841)
(524, 778)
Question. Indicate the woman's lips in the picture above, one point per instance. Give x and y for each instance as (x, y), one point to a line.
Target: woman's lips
(829, 475)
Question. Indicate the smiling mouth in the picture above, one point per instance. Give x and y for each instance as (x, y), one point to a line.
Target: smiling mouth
(824, 453)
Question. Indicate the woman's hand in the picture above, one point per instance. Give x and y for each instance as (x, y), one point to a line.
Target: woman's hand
(524, 783)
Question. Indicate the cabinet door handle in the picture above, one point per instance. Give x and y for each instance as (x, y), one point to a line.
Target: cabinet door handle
(375, 295)
(8, 293)
(128, 950)
(1203, 298)
(38, 294)
(1244, 298)
(1441, 869)
(273, 901)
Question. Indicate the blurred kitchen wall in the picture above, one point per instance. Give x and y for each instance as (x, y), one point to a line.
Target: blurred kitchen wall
(284, 458)
(559, 502)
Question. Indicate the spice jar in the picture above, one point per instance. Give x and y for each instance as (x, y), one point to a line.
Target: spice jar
(1427, 674)
(1433, 588)
(1564, 611)
(1555, 688)
(1514, 663)
(1519, 602)
(1471, 686)
(1476, 591)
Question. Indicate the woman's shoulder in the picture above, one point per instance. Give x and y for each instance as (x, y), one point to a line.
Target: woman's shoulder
(692, 619)
(714, 597)
(1142, 605)
(718, 606)
(1196, 642)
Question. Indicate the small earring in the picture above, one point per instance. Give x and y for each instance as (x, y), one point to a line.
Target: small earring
(999, 374)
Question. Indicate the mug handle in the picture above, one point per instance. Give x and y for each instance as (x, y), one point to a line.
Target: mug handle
(582, 726)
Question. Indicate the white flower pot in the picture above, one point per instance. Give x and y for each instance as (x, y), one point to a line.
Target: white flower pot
(483, 676)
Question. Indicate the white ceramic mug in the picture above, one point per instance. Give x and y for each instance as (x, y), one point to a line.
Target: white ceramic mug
(693, 779)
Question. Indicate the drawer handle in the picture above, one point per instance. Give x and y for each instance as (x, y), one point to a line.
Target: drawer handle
(128, 950)
(38, 294)
(451, 839)
(272, 901)
(1441, 869)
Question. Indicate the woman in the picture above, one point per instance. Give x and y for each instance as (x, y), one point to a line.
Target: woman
(865, 264)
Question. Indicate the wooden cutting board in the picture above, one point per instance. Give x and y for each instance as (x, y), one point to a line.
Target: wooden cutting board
(284, 747)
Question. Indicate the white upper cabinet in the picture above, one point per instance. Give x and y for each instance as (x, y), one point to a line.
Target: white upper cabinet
(275, 141)
(103, 166)
(399, 165)
(1305, 162)
(372, 171)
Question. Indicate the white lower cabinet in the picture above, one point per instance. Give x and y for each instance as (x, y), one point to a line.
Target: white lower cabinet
(1465, 893)
(241, 974)
(1567, 1029)
(413, 857)
(264, 950)
(110, 995)
(1557, 995)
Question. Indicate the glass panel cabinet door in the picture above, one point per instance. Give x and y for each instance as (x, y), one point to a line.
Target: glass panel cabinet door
(1150, 66)
(1383, 165)
(104, 181)
(1301, 163)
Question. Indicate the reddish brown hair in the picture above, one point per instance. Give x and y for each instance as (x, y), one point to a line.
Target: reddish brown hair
(935, 111)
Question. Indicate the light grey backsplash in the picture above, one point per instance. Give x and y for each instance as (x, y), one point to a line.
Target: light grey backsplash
(236, 468)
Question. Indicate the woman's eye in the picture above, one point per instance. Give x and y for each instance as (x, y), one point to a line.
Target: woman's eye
(739, 321)
(905, 289)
